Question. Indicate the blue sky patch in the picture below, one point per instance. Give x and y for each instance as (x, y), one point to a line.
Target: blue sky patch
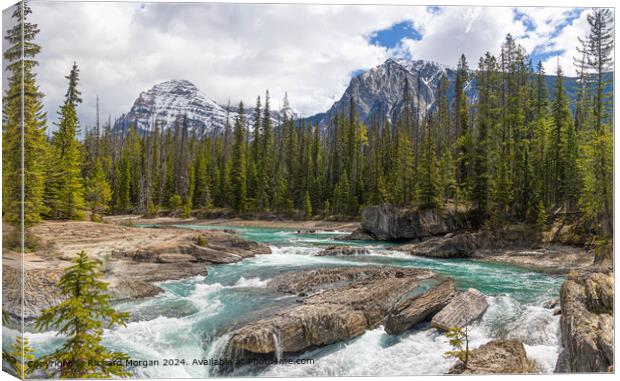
(527, 22)
(538, 55)
(392, 36)
(571, 16)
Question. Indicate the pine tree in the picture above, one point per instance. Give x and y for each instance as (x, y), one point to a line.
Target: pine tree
(65, 188)
(598, 50)
(265, 169)
(98, 193)
(461, 121)
(238, 176)
(307, 205)
(175, 202)
(201, 182)
(429, 196)
(81, 317)
(23, 140)
(486, 118)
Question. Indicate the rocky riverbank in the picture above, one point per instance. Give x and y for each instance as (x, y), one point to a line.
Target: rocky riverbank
(587, 323)
(586, 298)
(133, 259)
(434, 234)
(307, 225)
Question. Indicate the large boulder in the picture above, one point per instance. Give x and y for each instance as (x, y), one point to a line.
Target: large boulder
(586, 323)
(389, 223)
(497, 357)
(412, 310)
(465, 308)
(335, 304)
(448, 246)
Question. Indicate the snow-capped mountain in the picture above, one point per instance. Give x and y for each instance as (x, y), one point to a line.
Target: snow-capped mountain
(171, 101)
(380, 91)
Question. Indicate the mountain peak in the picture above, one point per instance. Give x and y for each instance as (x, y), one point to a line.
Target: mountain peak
(169, 101)
(380, 90)
(173, 101)
(173, 85)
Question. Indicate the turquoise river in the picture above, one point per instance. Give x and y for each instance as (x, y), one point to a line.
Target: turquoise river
(191, 318)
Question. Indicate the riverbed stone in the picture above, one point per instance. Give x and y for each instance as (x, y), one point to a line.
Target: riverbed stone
(448, 246)
(411, 310)
(463, 309)
(497, 357)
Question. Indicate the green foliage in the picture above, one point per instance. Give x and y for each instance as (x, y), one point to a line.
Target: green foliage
(307, 205)
(596, 168)
(81, 317)
(98, 193)
(239, 165)
(175, 204)
(459, 340)
(429, 180)
(542, 219)
(20, 356)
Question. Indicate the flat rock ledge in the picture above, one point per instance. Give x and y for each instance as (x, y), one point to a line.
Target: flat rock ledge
(342, 250)
(133, 260)
(587, 323)
(497, 357)
(335, 304)
(465, 308)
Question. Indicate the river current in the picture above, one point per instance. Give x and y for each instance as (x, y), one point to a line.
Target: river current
(191, 318)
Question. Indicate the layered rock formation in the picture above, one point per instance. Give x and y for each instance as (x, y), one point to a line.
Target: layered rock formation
(465, 308)
(586, 323)
(411, 311)
(389, 223)
(338, 304)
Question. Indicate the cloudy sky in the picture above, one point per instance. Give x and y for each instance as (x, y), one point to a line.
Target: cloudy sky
(235, 52)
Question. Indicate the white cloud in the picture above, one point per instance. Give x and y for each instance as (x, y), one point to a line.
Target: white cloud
(457, 30)
(567, 42)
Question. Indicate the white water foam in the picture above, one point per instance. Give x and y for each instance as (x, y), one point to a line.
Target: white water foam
(422, 352)
(159, 339)
(251, 282)
(203, 297)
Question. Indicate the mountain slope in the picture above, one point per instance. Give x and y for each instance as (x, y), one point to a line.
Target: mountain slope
(380, 91)
(173, 100)
(169, 101)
